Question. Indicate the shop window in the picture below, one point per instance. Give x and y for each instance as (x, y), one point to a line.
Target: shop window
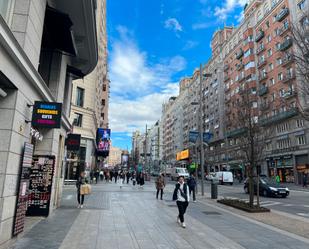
(301, 140)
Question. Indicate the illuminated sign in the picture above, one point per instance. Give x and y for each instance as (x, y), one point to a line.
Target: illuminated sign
(46, 115)
(73, 141)
(182, 155)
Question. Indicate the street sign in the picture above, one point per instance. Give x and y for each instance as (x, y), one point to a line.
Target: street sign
(207, 136)
(193, 135)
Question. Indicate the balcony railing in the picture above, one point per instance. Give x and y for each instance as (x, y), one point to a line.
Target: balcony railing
(263, 77)
(285, 28)
(261, 63)
(240, 66)
(263, 90)
(288, 77)
(235, 133)
(259, 36)
(239, 54)
(290, 94)
(260, 49)
(287, 60)
(282, 14)
(279, 117)
(286, 44)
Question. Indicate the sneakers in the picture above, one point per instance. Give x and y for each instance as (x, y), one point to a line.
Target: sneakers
(178, 220)
(183, 225)
(78, 206)
(81, 206)
(194, 201)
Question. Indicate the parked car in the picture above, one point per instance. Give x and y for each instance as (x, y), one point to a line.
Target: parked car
(267, 187)
(223, 177)
(176, 172)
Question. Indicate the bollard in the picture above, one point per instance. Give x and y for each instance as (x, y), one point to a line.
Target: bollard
(214, 190)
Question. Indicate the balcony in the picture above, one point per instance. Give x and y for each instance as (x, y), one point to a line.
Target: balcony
(286, 44)
(263, 90)
(239, 54)
(235, 133)
(289, 94)
(260, 49)
(287, 60)
(226, 78)
(259, 36)
(240, 66)
(279, 117)
(226, 67)
(263, 77)
(261, 63)
(287, 78)
(241, 78)
(264, 106)
(284, 29)
(282, 14)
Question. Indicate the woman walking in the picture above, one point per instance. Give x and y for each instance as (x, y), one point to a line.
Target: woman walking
(181, 196)
(80, 181)
(160, 184)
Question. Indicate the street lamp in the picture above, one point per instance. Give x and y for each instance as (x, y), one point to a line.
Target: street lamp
(201, 124)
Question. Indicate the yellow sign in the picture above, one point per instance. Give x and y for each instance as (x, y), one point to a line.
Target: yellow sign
(182, 155)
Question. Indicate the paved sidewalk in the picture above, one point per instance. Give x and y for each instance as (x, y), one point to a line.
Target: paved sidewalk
(130, 217)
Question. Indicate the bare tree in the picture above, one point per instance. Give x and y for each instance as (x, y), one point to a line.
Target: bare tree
(251, 135)
(300, 39)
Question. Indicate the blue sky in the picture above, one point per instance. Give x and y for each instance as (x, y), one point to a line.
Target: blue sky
(153, 44)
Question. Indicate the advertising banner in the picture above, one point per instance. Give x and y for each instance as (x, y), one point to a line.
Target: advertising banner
(207, 137)
(103, 141)
(46, 115)
(182, 155)
(73, 142)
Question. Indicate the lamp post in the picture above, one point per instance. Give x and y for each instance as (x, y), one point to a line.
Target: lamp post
(201, 125)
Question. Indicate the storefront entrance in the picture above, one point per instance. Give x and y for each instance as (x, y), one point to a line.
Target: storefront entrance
(281, 166)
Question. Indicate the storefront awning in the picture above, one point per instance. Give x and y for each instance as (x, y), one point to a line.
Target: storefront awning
(57, 32)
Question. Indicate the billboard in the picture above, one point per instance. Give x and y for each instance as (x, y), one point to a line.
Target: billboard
(46, 114)
(73, 141)
(182, 155)
(103, 141)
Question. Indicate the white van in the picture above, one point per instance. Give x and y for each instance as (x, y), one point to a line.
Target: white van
(176, 172)
(223, 177)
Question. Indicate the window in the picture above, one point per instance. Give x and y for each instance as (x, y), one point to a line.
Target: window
(250, 64)
(102, 115)
(301, 5)
(103, 102)
(272, 82)
(78, 120)
(279, 61)
(273, 97)
(278, 46)
(269, 38)
(267, 24)
(281, 92)
(248, 52)
(268, 146)
(301, 140)
(283, 143)
(299, 123)
(6, 9)
(271, 66)
(80, 92)
(254, 104)
(269, 52)
(280, 76)
(283, 127)
(104, 88)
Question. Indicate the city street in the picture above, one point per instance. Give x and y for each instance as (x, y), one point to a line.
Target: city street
(131, 217)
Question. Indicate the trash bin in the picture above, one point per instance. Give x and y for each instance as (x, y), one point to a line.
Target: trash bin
(214, 190)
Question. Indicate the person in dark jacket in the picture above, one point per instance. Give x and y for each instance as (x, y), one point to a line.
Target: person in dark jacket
(128, 175)
(160, 184)
(192, 185)
(80, 181)
(141, 179)
(182, 196)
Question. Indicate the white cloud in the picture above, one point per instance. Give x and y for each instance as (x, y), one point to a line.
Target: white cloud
(228, 7)
(138, 88)
(190, 44)
(173, 24)
(202, 25)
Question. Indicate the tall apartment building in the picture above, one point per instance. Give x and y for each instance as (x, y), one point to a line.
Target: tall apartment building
(114, 157)
(90, 98)
(259, 53)
(39, 58)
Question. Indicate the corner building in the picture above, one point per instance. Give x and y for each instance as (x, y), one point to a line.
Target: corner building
(259, 53)
(39, 60)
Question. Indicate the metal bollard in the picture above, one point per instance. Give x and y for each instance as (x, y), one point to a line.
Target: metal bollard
(214, 190)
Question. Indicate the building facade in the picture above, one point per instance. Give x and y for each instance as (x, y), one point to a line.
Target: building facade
(114, 158)
(90, 98)
(36, 68)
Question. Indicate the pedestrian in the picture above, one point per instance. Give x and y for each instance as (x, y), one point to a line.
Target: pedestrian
(91, 176)
(192, 185)
(277, 179)
(182, 196)
(123, 177)
(128, 175)
(141, 179)
(80, 181)
(101, 175)
(116, 176)
(107, 176)
(305, 180)
(160, 184)
(133, 178)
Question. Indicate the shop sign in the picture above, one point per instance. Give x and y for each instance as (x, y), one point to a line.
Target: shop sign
(73, 141)
(36, 134)
(103, 140)
(46, 115)
(182, 155)
(294, 148)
